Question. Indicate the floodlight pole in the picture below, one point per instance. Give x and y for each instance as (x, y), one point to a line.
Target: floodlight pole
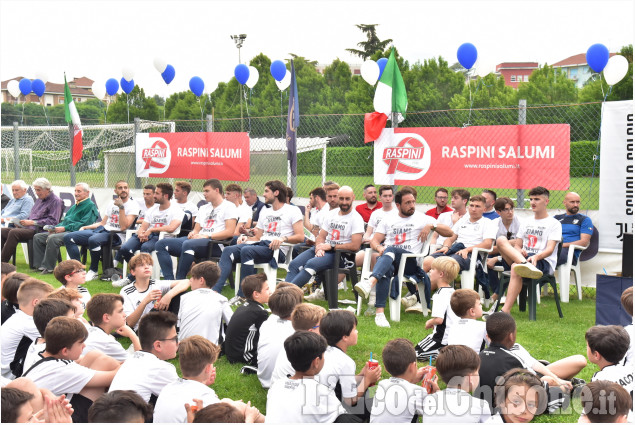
(239, 40)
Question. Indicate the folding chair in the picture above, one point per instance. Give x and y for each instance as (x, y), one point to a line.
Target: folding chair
(272, 273)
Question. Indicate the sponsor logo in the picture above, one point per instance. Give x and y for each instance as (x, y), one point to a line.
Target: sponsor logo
(153, 155)
(407, 157)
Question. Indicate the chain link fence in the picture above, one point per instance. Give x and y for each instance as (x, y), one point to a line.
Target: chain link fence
(109, 149)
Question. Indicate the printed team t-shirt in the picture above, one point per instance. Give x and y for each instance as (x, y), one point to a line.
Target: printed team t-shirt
(341, 228)
(112, 211)
(537, 233)
(159, 218)
(278, 223)
(244, 212)
(403, 232)
(474, 232)
(212, 220)
(317, 218)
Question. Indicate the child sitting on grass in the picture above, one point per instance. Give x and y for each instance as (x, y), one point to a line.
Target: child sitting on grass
(442, 274)
(521, 398)
(72, 274)
(106, 313)
(468, 330)
(288, 400)
(605, 402)
(606, 347)
(276, 328)
(243, 331)
(75, 298)
(120, 407)
(400, 360)
(458, 367)
(10, 294)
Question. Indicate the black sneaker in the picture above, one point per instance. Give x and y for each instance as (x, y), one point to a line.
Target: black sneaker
(249, 370)
(578, 384)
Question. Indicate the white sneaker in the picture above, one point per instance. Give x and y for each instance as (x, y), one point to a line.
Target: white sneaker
(415, 308)
(120, 282)
(91, 275)
(381, 321)
(527, 270)
(363, 288)
(317, 295)
(372, 297)
(340, 286)
(409, 301)
(236, 301)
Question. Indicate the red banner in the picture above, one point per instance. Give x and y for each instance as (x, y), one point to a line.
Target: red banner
(498, 156)
(224, 156)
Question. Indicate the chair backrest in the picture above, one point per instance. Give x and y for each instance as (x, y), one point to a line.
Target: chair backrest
(594, 245)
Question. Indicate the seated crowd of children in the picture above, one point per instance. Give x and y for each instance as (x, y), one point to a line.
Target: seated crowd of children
(58, 367)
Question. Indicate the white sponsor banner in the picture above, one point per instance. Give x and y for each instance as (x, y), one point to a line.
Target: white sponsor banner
(400, 156)
(616, 173)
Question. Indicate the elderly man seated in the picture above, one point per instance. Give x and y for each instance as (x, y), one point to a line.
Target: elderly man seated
(46, 211)
(47, 245)
(20, 206)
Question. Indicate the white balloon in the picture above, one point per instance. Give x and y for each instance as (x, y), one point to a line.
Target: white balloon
(14, 88)
(99, 90)
(370, 72)
(253, 77)
(615, 69)
(284, 83)
(128, 73)
(160, 65)
(42, 76)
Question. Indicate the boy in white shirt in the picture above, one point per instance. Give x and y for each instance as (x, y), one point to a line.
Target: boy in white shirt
(443, 271)
(627, 305)
(196, 358)
(305, 317)
(147, 372)
(203, 311)
(106, 313)
(61, 371)
(72, 274)
(302, 398)
(606, 347)
(458, 367)
(400, 360)
(19, 331)
(276, 329)
(468, 330)
(146, 294)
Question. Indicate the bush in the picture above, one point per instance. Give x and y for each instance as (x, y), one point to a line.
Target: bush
(340, 161)
(581, 159)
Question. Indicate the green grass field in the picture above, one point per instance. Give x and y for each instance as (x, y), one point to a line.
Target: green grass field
(587, 187)
(549, 338)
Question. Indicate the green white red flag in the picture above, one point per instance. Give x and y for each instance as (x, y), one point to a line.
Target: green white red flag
(73, 116)
(390, 94)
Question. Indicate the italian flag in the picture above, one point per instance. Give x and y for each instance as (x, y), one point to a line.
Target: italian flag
(390, 94)
(73, 116)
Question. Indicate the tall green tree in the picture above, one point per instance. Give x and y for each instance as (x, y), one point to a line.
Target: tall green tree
(489, 91)
(432, 85)
(372, 43)
(140, 107)
(548, 86)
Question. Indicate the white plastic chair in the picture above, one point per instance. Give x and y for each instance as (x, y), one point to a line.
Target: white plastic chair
(563, 274)
(156, 268)
(467, 276)
(272, 273)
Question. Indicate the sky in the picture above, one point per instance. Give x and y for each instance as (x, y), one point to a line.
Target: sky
(97, 39)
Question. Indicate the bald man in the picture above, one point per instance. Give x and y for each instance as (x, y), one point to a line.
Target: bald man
(576, 228)
(342, 228)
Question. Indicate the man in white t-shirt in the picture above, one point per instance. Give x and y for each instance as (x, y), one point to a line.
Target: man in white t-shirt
(146, 203)
(458, 201)
(400, 233)
(234, 194)
(118, 215)
(386, 196)
(341, 229)
(533, 252)
(182, 190)
(216, 220)
(163, 217)
(277, 225)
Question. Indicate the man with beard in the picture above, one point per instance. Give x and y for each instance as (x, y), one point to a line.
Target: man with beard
(441, 198)
(341, 229)
(276, 225)
(404, 232)
(365, 210)
(119, 214)
(576, 228)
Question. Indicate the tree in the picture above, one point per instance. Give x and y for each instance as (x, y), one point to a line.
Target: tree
(140, 107)
(432, 85)
(489, 91)
(158, 100)
(372, 43)
(548, 86)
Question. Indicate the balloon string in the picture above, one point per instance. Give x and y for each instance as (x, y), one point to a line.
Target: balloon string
(22, 117)
(469, 117)
(202, 119)
(107, 105)
(247, 107)
(282, 117)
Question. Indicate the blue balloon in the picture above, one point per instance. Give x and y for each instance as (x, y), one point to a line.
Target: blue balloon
(126, 85)
(467, 54)
(197, 86)
(278, 70)
(241, 72)
(382, 64)
(168, 74)
(25, 86)
(112, 86)
(38, 87)
(597, 57)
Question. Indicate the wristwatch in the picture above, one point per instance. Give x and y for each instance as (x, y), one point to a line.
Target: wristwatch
(332, 244)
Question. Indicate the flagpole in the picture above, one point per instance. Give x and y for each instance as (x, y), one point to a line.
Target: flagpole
(71, 132)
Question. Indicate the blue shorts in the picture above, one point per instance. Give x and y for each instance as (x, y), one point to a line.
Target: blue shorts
(542, 265)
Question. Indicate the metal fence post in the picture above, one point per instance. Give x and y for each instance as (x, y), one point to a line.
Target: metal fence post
(71, 133)
(522, 120)
(137, 180)
(16, 150)
(210, 123)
